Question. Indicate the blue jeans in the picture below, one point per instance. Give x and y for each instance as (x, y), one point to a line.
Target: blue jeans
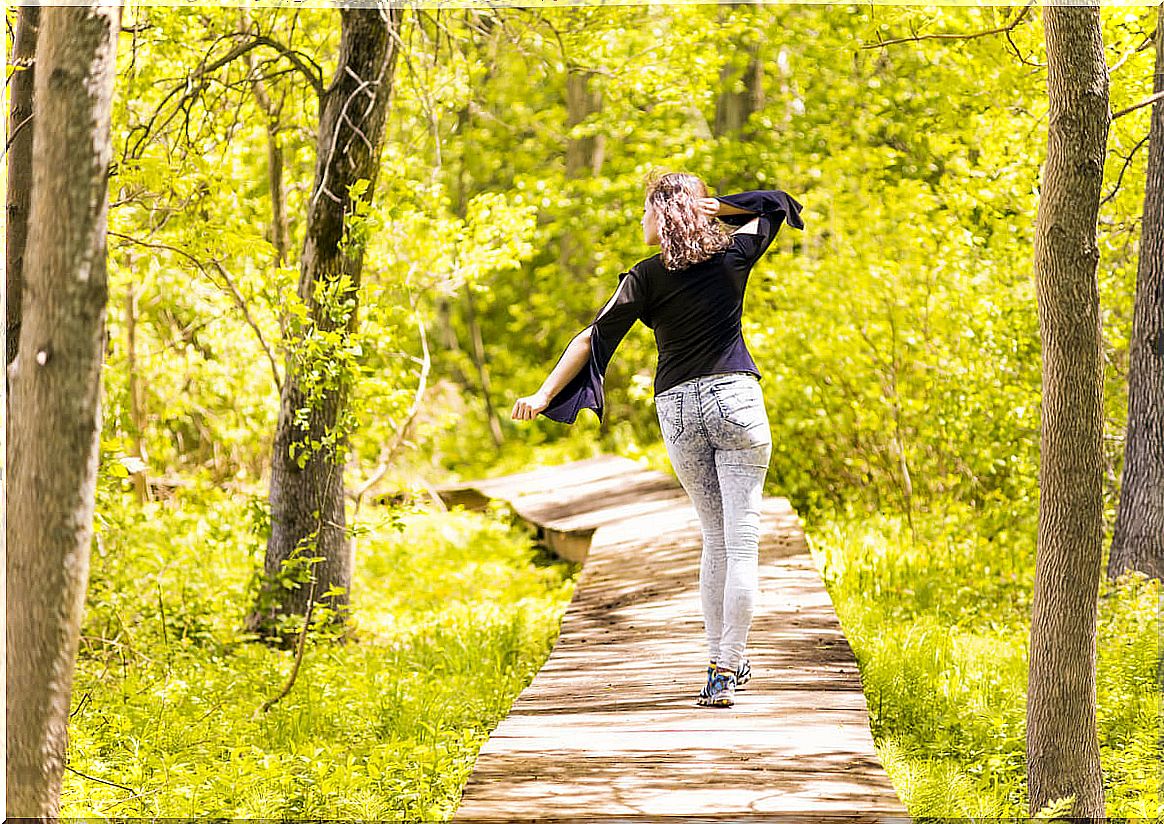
(719, 441)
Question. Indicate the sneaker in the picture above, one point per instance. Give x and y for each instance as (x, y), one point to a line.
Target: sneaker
(705, 692)
(743, 674)
(720, 690)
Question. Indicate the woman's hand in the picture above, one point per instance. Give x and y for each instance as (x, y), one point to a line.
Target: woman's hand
(709, 206)
(527, 408)
(569, 365)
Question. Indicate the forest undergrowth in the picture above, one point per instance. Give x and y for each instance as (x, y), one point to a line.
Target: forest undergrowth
(455, 612)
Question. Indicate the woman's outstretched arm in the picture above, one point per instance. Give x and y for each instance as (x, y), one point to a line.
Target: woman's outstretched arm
(569, 365)
(577, 381)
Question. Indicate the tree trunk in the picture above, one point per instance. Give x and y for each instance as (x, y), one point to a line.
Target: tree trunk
(582, 153)
(279, 228)
(19, 166)
(1138, 540)
(56, 382)
(733, 108)
(1062, 743)
(307, 503)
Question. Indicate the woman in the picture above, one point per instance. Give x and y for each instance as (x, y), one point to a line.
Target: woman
(707, 392)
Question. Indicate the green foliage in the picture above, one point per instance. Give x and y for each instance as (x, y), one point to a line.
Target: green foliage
(359, 222)
(897, 335)
(1058, 807)
(324, 363)
(453, 615)
(940, 627)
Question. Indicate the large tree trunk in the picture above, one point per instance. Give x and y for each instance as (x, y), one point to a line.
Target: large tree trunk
(56, 382)
(734, 108)
(20, 129)
(307, 503)
(1138, 540)
(1062, 744)
(584, 155)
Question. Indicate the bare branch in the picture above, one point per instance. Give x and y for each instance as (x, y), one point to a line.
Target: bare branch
(16, 131)
(242, 305)
(100, 780)
(238, 299)
(1127, 162)
(314, 74)
(1018, 53)
(1147, 42)
(941, 36)
(389, 450)
(1148, 101)
(194, 83)
(270, 702)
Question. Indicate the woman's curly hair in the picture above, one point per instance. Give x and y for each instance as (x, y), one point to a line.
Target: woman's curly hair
(686, 235)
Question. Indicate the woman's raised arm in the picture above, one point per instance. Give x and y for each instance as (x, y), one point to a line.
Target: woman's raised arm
(714, 207)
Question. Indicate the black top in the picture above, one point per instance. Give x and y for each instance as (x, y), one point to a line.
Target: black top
(695, 311)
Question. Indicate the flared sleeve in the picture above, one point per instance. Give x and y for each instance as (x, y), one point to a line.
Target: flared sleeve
(772, 206)
(610, 325)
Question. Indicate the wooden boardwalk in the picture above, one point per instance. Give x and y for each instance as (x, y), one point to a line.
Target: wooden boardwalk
(609, 729)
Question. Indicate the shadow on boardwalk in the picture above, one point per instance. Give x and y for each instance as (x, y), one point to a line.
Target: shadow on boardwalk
(609, 727)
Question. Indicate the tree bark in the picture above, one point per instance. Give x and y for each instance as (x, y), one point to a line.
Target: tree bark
(20, 129)
(1138, 539)
(1062, 744)
(56, 383)
(307, 504)
(279, 227)
(583, 154)
(734, 108)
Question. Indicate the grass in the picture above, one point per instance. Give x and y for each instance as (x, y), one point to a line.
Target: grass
(455, 613)
(940, 627)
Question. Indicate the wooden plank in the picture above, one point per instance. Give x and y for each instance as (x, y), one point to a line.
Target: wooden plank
(524, 483)
(571, 545)
(609, 726)
(569, 508)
